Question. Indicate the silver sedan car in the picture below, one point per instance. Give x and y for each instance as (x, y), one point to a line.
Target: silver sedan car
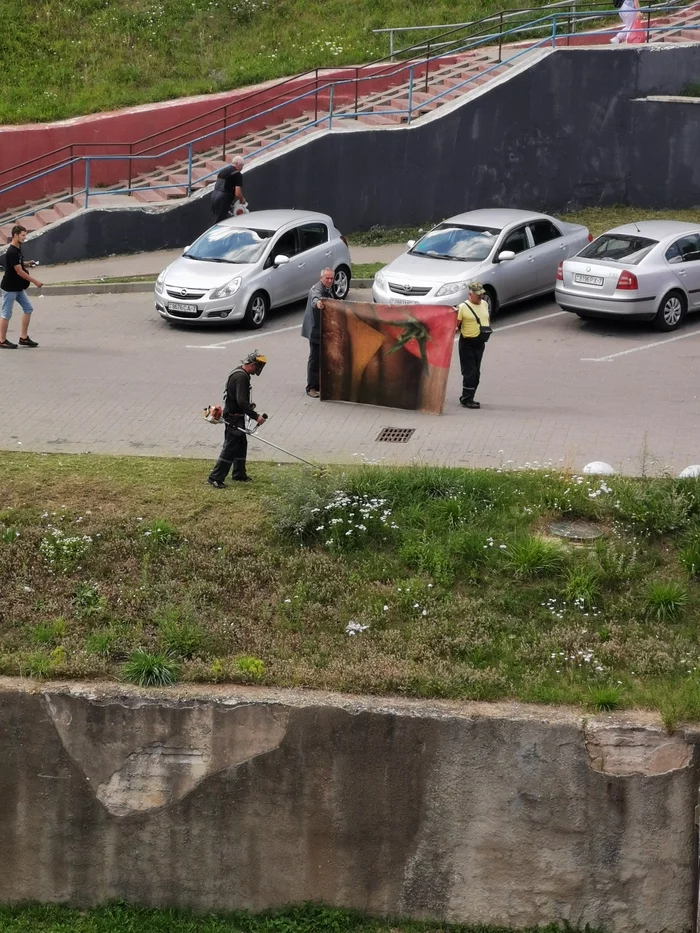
(243, 266)
(514, 254)
(649, 271)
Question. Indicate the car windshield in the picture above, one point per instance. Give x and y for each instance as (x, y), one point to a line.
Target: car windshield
(230, 244)
(452, 241)
(619, 247)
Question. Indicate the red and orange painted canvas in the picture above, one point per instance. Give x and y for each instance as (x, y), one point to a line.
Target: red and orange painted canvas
(396, 356)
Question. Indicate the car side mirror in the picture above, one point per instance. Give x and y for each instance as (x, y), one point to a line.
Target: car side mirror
(410, 244)
(184, 252)
(505, 256)
(280, 260)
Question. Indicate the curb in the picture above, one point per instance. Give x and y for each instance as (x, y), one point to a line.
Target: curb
(120, 288)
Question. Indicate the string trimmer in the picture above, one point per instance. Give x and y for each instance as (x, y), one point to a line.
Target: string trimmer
(214, 415)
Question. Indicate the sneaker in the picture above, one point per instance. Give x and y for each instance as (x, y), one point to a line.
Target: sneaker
(313, 393)
(615, 40)
(8, 345)
(242, 479)
(469, 403)
(27, 342)
(216, 483)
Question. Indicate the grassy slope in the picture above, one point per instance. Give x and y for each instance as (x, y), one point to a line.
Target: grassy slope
(67, 57)
(459, 599)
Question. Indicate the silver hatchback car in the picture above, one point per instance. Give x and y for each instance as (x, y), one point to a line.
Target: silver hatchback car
(243, 266)
(513, 253)
(648, 271)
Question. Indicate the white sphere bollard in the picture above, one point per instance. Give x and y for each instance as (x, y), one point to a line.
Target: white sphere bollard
(690, 472)
(598, 468)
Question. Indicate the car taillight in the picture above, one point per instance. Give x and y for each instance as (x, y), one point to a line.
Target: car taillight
(590, 237)
(560, 272)
(627, 281)
(343, 239)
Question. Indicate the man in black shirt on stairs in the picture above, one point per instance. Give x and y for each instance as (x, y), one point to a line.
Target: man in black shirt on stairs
(228, 188)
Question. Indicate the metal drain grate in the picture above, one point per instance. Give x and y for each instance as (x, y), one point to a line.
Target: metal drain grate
(395, 435)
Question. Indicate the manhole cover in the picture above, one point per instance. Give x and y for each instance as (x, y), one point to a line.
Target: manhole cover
(395, 435)
(576, 530)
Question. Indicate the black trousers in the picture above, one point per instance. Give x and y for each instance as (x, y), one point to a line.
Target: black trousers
(233, 454)
(313, 378)
(220, 206)
(471, 350)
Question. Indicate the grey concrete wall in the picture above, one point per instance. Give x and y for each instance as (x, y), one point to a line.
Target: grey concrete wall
(234, 798)
(566, 132)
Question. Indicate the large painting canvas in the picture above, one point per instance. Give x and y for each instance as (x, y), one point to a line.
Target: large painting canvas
(396, 356)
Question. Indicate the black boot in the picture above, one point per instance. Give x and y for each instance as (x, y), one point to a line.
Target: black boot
(219, 473)
(238, 473)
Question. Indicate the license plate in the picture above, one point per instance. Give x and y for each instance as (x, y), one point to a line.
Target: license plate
(182, 308)
(401, 301)
(588, 279)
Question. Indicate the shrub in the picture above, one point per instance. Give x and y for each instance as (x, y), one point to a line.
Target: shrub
(605, 699)
(64, 552)
(654, 508)
(88, 601)
(160, 533)
(251, 668)
(181, 636)
(48, 633)
(150, 670)
(530, 556)
(582, 586)
(665, 601)
(8, 534)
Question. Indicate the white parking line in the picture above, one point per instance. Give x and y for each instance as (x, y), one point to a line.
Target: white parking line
(532, 320)
(256, 335)
(222, 344)
(644, 346)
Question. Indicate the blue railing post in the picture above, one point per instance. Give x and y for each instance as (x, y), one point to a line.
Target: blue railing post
(554, 30)
(87, 181)
(330, 105)
(410, 93)
(189, 170)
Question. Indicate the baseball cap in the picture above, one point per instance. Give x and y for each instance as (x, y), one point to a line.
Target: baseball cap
(476, 288)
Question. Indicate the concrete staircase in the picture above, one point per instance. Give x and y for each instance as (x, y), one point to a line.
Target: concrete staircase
(455, 77)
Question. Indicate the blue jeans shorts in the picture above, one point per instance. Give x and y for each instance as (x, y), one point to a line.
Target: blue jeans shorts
(9, 298)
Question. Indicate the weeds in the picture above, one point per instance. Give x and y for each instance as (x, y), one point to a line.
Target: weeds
(530, 557)
(150, 670)
(582, 586)
(605, 699)
(665, 601)
(180, 635)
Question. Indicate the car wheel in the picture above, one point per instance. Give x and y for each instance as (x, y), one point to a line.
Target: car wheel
(341, 284)
(491, 300)
(257, 309)
(671, 311)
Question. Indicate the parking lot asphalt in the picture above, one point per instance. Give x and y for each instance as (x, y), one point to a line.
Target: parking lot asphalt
(111, 377)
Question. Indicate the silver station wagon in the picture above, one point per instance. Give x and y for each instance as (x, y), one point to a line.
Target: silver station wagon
(243, 266)
(513, 253)
(648, 271)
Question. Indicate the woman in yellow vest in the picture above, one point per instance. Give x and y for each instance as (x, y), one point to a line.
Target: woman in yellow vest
(474, 330)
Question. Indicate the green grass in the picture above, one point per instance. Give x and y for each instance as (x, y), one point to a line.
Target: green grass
(64, 59)
(692, 89)
(118, 918)
(424, 582)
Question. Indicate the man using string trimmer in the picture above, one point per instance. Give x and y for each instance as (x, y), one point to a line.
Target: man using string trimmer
(237, 405)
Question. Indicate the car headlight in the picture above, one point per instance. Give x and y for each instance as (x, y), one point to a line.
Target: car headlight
(451, 288)
(379, 280)
(160, 282)
(230, 288)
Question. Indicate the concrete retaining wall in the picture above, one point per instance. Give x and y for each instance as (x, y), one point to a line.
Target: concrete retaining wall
(231, 798)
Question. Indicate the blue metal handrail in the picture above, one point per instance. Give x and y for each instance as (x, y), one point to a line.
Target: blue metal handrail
(552, 21)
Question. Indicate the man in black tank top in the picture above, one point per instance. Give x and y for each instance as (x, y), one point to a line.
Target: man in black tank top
(228, 188)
